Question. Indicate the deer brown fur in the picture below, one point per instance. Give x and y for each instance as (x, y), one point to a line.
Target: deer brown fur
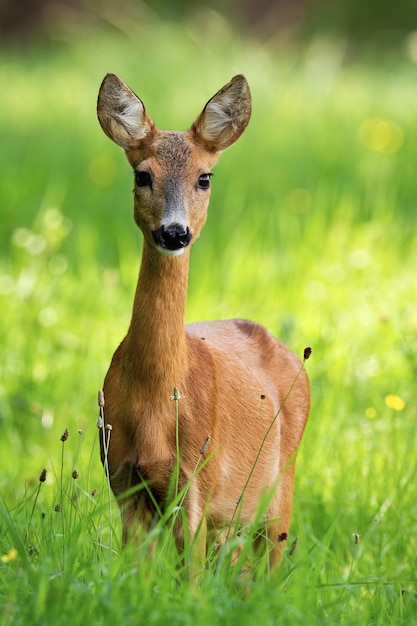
(232, 376)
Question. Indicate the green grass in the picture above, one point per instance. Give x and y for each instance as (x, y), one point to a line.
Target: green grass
(311, 231)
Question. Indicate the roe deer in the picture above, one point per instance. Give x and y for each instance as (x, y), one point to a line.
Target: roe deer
(232, 376)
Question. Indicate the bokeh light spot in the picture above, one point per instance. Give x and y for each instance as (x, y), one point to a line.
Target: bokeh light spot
(379, 135)
(394, 402)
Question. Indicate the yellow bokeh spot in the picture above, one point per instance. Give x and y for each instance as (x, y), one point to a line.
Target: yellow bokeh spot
(381, 135)
(394, 402)
(370, 412)
(10, 556)
(103, 170)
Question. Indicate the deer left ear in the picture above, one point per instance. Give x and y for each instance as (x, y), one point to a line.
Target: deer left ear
(122, 114)
(225, 116)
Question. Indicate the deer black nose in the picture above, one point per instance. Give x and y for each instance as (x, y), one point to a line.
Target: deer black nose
(174, 237)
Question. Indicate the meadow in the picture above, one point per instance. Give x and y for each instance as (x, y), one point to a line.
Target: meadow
(311, 231)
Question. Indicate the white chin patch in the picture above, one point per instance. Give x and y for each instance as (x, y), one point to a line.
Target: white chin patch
(170, 252)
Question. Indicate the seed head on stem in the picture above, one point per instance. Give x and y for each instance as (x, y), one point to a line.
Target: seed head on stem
(205, 445)
(100, 398)
(65, 435)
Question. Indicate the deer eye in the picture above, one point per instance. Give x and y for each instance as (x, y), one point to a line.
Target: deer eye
(143, 179)
(204, 181)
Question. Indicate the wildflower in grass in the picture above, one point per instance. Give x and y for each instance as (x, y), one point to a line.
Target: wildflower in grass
(282, 537)
(75, 474)
(370, 412)
(10, 556)
(42, 477)
(65, 435)
(307, 353)
(394, 402)
(101, 398)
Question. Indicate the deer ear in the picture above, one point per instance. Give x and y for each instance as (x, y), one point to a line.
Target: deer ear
(121, 113)
(225, 116)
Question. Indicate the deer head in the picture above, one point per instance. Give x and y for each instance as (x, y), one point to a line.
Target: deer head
(172, 169)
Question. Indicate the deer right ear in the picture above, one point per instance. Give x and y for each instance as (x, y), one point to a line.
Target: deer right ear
(121, 113)
(225, 116)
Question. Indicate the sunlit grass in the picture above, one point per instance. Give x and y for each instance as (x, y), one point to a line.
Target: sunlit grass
(311, 231)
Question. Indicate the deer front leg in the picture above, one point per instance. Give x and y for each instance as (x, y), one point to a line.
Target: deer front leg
(198, 551)
(191, 533)
(138, 511)
(138, 518)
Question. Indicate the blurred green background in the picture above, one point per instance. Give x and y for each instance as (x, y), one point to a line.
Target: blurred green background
(311, 231)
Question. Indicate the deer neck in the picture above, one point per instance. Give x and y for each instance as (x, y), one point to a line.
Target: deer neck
(155, 346)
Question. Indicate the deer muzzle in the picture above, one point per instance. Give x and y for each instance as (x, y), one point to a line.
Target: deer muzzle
(172, 239)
